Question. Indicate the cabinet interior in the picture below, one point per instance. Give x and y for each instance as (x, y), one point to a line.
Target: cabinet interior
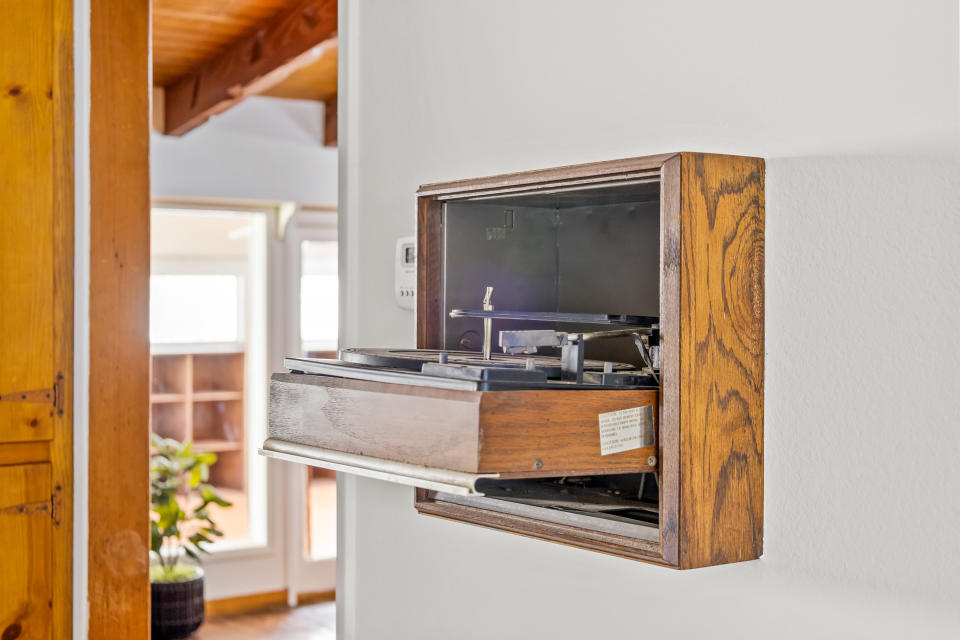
(579, 250)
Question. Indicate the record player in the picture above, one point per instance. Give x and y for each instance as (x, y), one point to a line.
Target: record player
(589, 362)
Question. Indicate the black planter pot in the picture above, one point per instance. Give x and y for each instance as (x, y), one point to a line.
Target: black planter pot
(176, 608)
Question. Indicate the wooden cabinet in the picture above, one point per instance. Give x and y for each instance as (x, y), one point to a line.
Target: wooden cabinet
(36, 319)
(26, 533)
(199, 397)
(678, 237)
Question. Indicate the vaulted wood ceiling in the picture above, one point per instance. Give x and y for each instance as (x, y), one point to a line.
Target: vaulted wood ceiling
(210, 54)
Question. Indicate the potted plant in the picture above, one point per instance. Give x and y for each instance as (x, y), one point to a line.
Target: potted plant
(181, 527)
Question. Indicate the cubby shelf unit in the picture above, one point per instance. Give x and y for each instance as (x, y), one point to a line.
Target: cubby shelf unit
(199, 397)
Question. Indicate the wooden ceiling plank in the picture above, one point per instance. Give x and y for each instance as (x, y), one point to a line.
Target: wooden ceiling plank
(250, 65)
(317, 81)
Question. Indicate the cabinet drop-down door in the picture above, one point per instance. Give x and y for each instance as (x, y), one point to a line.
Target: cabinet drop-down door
(381, 424)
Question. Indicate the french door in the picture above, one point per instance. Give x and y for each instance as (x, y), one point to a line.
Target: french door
(234, 290)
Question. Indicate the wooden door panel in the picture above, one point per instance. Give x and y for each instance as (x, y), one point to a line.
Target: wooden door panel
(27, 180)
(26, 529)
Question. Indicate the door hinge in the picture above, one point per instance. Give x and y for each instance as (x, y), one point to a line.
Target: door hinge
(28, 508)
(52, 395)
(53, 506)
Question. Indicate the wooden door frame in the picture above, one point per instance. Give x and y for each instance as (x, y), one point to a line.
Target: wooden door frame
(119, 190)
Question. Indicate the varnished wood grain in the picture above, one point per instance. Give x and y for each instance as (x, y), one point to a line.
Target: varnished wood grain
(249, 65)
(721, 359)
(608, 171)
(670, 321)
(710, 428)
(416, 425)
(429, 273)
(330, 122)
(314, 81)
(622, 546)
(28, 180)
(25, 452)
(36, 304)
(555, 432)
(186, 33)
(26, 537)
(118, 587)
(516, 433)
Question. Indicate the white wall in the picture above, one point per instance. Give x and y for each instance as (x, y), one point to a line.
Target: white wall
(262, 149)
(856, 106)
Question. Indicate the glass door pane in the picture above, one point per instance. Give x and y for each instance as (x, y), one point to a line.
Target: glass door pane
(319, 321)
(208, 342)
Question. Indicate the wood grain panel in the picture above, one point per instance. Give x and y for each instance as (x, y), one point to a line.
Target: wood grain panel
(721, 359)
(516, 433)
(429, 274)
(26, 536)
(249, 65)
(564, 534)
(416, 425)
(608, 171)
(188, 32)
(555, 432)
(28, 182)
(670, 321)
(314, 81)
(25, 452)
(36, 303)
(118, 586)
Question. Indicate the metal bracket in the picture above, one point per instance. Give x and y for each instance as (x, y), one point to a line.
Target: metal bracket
(28, 508)
(458, 482)
(52, 395)
(52, 506)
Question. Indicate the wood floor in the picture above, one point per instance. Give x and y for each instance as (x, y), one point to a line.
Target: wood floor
(307, 622)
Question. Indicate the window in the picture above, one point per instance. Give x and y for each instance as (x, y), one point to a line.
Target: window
(319, 311)
(208, 316)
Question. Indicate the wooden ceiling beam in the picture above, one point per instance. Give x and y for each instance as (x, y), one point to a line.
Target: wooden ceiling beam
(293, 39)
(330, 122)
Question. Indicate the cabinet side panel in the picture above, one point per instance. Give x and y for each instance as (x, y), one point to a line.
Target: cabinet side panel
(429, 273)
(669, 424)
(721, 359)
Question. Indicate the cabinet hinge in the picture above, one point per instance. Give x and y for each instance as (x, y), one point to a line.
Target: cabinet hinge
(28, 508)
(56, 505)
(52, 506)
(52, 395)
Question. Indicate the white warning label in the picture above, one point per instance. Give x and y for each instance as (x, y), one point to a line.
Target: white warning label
(625, 430)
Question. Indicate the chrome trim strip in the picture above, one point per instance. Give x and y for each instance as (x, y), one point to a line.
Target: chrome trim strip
(454, 482)
(355, 372)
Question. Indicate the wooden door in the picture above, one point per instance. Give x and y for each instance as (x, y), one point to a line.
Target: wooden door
(36, 301)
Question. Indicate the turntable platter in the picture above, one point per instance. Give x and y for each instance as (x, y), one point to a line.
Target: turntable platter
(414, 359)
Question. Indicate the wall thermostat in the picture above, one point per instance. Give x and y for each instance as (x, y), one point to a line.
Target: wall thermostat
(405, 272)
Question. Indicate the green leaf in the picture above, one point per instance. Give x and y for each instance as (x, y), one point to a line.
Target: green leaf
(210, 495)
(208, 458)
(178, 478)
(156, 538)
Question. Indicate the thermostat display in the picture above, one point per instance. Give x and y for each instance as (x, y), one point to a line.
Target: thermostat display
(405, 273)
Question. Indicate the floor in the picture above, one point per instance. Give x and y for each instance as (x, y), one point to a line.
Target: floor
(308, 622)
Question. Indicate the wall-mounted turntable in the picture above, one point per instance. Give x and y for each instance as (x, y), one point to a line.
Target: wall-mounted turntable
(589, 366)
